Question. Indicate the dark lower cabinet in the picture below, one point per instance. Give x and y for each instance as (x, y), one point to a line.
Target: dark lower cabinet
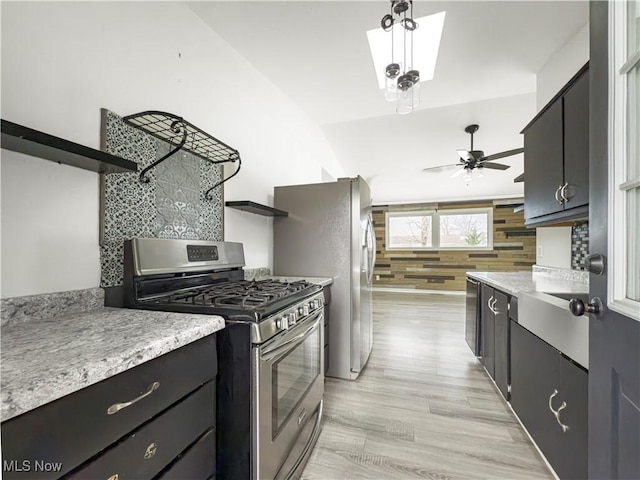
(131, 425)
(494, 328)
(549, 393)
(501, 343)
(148, 450)
(487, 329)
(195, 461)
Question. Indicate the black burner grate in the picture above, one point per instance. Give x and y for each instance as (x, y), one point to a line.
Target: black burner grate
(246, 294)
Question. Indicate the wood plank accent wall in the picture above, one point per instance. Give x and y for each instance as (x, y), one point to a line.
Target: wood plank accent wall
(514, 248)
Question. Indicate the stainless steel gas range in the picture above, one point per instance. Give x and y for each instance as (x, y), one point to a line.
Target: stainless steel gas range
(270, 361)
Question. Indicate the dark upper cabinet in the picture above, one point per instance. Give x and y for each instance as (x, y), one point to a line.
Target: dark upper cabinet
(549, 393)
(543, 163)
(494, 328)
(556, 156)
(576, 143)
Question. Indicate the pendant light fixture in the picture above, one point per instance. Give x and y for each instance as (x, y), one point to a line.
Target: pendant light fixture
(402, 81)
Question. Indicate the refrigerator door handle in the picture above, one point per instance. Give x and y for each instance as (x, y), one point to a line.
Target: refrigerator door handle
(371, 250)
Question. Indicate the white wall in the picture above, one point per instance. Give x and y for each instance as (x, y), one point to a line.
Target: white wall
(562, 65)
(62, 62)
(551, 247)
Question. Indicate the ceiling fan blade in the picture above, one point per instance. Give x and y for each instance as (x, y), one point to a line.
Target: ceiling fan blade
(442, 167)
(464, 154)
(459, 172)
(494, 166)
(507, 153)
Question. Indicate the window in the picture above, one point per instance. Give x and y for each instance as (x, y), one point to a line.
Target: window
(469, 229)
(624, 187)
(410, 230)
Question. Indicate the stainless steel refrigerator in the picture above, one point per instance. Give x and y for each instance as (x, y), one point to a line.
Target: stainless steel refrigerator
(329, 233)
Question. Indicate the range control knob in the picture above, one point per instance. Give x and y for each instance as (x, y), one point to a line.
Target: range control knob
(282, 323)
(300, 311)
(305, 309)
(292, 318)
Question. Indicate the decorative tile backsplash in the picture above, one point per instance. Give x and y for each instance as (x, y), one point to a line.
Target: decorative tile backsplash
(579, 246)
(170, 205)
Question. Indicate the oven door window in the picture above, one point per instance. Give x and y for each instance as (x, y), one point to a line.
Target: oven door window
(292, 376)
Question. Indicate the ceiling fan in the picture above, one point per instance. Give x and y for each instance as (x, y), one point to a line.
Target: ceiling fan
(476, 159)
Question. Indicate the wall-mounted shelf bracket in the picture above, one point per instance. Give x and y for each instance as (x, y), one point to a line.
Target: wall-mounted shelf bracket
(171, 128)
(253, 207)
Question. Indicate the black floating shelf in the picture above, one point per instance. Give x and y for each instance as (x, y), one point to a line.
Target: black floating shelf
(519, 178)
(253, 207)
(32, 142)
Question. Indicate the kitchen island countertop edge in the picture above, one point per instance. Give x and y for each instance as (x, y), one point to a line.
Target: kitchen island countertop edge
(515, 283)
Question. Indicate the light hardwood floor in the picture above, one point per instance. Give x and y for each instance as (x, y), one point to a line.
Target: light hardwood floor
(423, 407)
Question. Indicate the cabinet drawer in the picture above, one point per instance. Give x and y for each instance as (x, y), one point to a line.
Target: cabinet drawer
(76, 427)
(535, 370)
(197, 462)
(148, 450)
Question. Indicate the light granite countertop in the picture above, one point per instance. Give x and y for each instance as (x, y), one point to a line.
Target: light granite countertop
(264, 273)
(323, 281)
(539, 280)
(45, 359)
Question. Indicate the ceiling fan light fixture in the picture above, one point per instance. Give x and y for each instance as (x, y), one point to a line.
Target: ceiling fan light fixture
(474, 162)
(468, 176)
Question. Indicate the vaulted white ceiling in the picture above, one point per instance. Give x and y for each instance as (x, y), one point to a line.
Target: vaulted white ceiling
(317, 53)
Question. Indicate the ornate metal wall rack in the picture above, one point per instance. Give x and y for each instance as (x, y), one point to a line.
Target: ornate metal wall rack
(169, 127)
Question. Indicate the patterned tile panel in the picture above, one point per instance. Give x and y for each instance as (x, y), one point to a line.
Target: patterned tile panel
(579, 246)
(170, 205)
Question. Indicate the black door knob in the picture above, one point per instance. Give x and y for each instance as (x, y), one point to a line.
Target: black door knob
(578, 308)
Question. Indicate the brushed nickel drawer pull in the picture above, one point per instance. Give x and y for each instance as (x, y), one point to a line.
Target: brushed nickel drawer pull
(116, 407)
(150, 451)
(556, 413)
(493, 306)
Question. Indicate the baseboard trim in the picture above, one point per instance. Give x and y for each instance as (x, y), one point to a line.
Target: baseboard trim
(412, 290)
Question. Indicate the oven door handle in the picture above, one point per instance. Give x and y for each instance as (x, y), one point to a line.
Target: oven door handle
(273, 351)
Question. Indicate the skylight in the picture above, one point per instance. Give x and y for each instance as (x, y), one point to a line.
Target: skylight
(426, 43)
